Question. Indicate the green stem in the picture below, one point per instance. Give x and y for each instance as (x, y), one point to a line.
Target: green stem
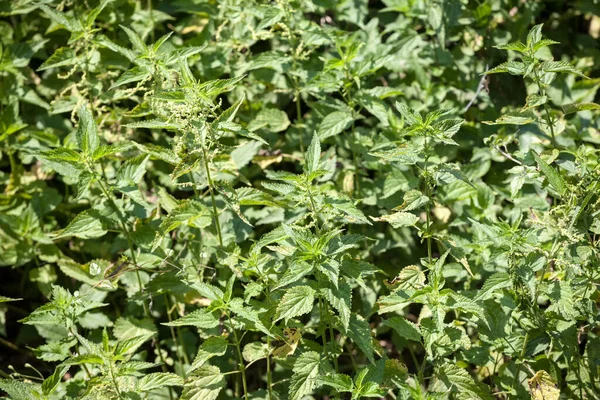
(428, 205)
(323, 335)
(212, 196)
(269, 375)
(174, 337)
(542, 92)
(331, 335)
(112, 375)
(518, 369)
(299, 119)
(240, 358)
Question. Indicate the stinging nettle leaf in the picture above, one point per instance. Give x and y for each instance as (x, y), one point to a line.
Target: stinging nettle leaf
(200, 319)
(554, 178)
(334, 124)
(87, 131)
(296, 301)
(304, 379)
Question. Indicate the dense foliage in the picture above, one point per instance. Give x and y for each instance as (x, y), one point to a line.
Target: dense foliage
(278, 199)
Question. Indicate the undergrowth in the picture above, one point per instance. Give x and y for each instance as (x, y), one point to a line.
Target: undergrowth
(282, 199)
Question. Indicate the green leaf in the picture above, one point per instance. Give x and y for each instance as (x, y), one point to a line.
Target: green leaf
(296, 301)
(49, 385)
(513, 118)
(576, 107)
(340, 299)
(154, 124)
(334, 123)
(554, 178)
(512, 67)
(312, 158)
(534, 35)
(458, 380)
(158, 152)
(4, 299)
(347, 207)
(158, 380)
(255, 351)
(61, 57)
(86, 225)
(18, 390)
(199, 318)
(516, 46)
(399, 219)
(134, 74)
(132, 170)
(190, 213)
(534, 100)
(499, 280)
(305, 375)
(340, 382)
(404, 328)
(212, 347)
(271, 119)
(561, 66)
(360, 333)
(204, 384)
(271, 16)
(87, 131)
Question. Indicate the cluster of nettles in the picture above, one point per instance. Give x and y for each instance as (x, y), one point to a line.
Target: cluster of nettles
(247, 211)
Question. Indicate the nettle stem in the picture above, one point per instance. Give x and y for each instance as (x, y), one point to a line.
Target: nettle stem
(331, 335)
(212, 196)
(542, 92)
(428, 205)
(242, 366)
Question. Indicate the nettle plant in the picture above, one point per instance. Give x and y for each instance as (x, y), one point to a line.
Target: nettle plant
(219, 201)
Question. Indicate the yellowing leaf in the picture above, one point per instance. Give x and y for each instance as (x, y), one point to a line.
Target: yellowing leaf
(292, 338)
(542, 387)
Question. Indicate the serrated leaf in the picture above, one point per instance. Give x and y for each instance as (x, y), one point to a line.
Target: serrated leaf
(347, 207)
(135, 74)
(404, 328)
(199, 318)
(305, 373)
(340, 299)
(399, 219)
(458, 380)
(554, 178)
(61, 57)
(513, 118)
(561, 66)
(87, 131)
(576, 107)
(132, 170)
(359, 332)
(340, 382)
(86, 225)
(334, 123)
(534, 100)
(49, 385)
(153, 124)
(158, 380)
(204, 384)
(512, 67)
(296, 301)
(212, 347)
(499, 280)
(255, 351)
(312, 158)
